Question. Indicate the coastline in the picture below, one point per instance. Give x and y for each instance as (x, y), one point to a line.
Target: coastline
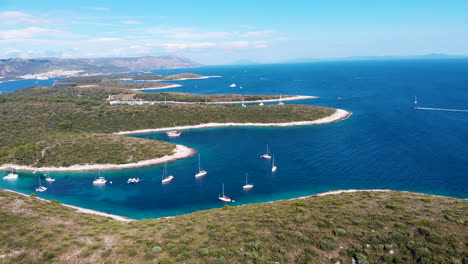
(159, 88)
(127, 219)
(180, 152)
(339, 115)
(81, 209)
(291, 98)
(174, 80)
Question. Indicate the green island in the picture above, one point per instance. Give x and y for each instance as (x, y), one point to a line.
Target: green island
(72, 124)
(360, 227)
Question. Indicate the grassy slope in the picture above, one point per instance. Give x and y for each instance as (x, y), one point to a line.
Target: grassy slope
(36, 120)
(366, 226)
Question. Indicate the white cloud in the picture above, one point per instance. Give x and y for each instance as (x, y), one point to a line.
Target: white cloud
(177, 46)
(203, 35)
(235, 44)
(97, 8)
(261, 33)
(29, 32)
(132, 22)
(16, 18)
(261, 44)
(106, 39)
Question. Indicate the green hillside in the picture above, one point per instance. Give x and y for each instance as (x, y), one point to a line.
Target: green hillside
(369, 227)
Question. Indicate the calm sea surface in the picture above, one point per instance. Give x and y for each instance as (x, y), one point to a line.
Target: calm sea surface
(384, 144)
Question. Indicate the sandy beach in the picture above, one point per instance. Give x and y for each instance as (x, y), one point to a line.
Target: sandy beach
(159, 88)
(180, 152)
(340, 114)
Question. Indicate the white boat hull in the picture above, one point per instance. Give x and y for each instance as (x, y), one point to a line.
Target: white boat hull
(247, 187)
(168, 179)
(224, 199)
(41, 189)
(201, 174)
(266, 156)
(11, 177)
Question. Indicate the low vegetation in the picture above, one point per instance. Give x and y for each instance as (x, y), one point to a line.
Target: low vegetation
(364, 227)
(60, 125)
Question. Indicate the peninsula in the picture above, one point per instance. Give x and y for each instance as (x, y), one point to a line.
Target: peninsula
(58, 127)
(342, 227)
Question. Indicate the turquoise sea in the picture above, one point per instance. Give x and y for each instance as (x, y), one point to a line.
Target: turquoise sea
(385, 144)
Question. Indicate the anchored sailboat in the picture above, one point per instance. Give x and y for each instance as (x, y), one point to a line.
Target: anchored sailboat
(280, 102)
(415, 100)
(223, 197)
(100, 180)
(273, 166)
(165, 178)
(267, 155)
(41, 188)
(48, 178)
(11, 176)
(201, 172)
(247, 186)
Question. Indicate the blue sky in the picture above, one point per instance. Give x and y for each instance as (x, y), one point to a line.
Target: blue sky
(223, 31)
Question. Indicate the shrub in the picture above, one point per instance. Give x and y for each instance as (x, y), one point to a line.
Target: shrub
(339, 232)
(166, 261)
(156, 249)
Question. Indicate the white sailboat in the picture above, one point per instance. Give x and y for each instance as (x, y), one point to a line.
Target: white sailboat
(223, 197)
(273, 166)
(243, 105)
(280, 102)
(173, 133)
(12, 176)
(247, 186)
(41, 188)
(201, 172)
(48, 178)
(100, 180)
(165, 178)
(267, 155)
(233, 85)
(260, 103)
(133, 180)
(415, 100)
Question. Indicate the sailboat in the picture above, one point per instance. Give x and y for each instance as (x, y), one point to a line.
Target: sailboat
(48, 178)
(223, 197)
(41, 188)
(280, 102)
(165, 178)
(266, 155)
(243, 105)
(11, 176)
(247, 186)
(273, 166)
(201, 172)
(415, 100)
(233, 85)
(100, 180)
(260, 103)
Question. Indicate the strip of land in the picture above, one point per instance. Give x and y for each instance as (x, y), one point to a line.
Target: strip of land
(159, 88)
(340, 114)
(83, 210)
(180, 152)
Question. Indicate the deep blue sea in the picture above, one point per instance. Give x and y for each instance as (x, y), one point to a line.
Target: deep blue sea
(384, 144)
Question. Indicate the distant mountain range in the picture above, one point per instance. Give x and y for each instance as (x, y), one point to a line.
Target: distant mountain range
(355, 58)
(19, 68)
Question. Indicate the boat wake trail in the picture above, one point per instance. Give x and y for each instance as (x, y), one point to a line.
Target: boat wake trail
(441, 109)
